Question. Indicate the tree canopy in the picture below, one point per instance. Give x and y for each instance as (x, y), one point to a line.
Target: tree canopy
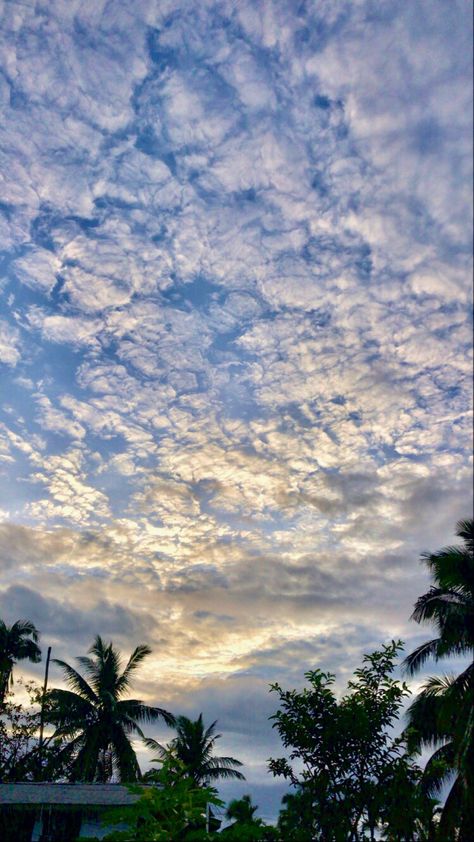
(18, 642)
(96, 719)
(442, 716)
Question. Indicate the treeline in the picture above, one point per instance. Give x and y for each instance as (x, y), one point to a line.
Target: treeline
(351, 779)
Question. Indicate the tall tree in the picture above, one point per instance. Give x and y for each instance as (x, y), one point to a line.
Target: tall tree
(348, 760)
(96, 719)
(194, 746)
(18, 642)
(442, 716)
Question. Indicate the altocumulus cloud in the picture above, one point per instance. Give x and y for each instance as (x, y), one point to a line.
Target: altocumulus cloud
(235, 334)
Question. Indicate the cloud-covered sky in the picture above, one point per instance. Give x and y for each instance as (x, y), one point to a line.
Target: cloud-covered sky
(235, 335)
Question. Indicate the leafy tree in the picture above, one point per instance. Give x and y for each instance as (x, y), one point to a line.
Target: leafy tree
(19, 747)
(194, 746)
(405, 811)
(346, 757)
(246, 827)
(442, 716)
(18, 642)
(96, 720)
(296, 816)
(242, 811)
(174, 809)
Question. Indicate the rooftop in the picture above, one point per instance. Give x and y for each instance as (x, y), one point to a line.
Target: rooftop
(109, 795)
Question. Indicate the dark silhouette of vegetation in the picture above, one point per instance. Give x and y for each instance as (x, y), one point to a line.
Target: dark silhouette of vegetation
(246, 826)
(193, 746)
(18, 642)
(352, 779)
(349, 766)
(296, 816)
(19, 748)
(442, 715)
(242, 811)
(95, 717)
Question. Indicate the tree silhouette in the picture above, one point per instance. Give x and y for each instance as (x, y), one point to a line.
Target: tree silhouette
(95, 718)
(18, 642)
(194, 746)
(242, 811)
(442, 716)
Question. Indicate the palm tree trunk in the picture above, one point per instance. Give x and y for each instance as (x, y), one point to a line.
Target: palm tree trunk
(5, 675)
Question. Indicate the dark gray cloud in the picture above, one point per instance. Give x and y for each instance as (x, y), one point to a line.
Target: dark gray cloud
(68, 626)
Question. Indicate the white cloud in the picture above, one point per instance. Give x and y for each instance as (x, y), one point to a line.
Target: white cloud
(236, 240)
(9, 344)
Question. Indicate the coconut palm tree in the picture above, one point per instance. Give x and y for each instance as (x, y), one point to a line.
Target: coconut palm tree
(194, 746)
(442, 716)
(242, 811)
(18, 642)
(93, 715)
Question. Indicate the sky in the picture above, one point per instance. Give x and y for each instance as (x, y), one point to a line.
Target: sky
(235, 336)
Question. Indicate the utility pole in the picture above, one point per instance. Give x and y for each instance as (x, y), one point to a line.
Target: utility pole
(208, 808)
(43, 699)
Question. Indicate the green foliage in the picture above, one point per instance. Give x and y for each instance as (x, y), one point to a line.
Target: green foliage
(246, 826)
(173, 809)
(348, 763)
(242, 811)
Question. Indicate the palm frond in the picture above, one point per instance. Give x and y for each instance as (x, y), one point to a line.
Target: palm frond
(439, 768)
(415, 660)
(450, 816)
(107, 668)
(88, 665)
(137, 656)
(209, 733)
(131, 727)
(136, 709)
(153, 745)
(98, 648)
(76, 682)
(25, 628)
(28, 650)
(68, 711)
(225, 762)
(435, 605)
(427, 715)
(84, 766)
(465, 530)
(124, 757)
(224, 773)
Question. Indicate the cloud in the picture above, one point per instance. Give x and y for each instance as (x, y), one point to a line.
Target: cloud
(9, 344)
(235, 262)
(68, 625)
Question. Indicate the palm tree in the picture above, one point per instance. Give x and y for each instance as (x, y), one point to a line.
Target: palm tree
(96, 718)
(442, 716)
(18, 642)
(242, 811)
(193, 746)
